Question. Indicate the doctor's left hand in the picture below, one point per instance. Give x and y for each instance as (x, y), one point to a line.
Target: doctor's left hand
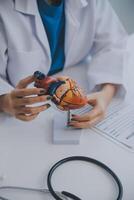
(18, 102)
(100, 101)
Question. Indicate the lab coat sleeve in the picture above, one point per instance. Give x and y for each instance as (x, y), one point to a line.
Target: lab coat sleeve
(109, 49)
(5, 86)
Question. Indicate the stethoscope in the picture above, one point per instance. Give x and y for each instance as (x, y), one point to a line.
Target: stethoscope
(64, 195)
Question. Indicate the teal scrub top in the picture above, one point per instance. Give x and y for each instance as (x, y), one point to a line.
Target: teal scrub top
(53, 18)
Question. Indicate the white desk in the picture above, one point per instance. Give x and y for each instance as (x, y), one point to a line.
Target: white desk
(26, 155)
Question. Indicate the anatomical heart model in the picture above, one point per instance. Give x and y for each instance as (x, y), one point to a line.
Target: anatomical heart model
(65, 92)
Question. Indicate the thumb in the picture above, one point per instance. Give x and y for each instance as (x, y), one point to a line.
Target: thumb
(25, 82)
(92, 99)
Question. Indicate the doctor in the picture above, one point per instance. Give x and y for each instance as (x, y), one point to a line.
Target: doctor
(50, 35)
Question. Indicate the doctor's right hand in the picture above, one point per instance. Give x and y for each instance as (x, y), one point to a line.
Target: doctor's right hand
(18, 102)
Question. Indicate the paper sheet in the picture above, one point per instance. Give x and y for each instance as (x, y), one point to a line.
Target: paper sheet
(118, 124)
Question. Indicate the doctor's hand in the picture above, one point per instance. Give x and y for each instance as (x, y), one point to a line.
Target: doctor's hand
(18, 102)
(100, 101)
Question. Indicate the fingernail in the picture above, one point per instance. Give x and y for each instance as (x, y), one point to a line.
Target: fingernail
(74, 115)
(48, 105)
(42, 91)
(68, 124)
(73, 120)
(49, 97)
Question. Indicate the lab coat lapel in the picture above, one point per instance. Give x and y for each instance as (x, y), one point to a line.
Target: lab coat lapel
(42, 36)
(72, 10)
(30, 7)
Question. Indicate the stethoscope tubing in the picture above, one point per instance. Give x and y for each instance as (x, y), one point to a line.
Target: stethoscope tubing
(85, 159)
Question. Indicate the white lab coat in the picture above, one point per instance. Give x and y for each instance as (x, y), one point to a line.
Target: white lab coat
(92, 28)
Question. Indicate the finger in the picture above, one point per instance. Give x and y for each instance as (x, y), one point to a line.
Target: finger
(25, 82)
(87, 124)
(26, 117)
(96, 120)
(88, 116)
(33, 110)
(27, 92)
(92, 102)
(31, 100)
(92, 99)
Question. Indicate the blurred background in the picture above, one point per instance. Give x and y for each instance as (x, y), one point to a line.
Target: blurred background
(125, 11)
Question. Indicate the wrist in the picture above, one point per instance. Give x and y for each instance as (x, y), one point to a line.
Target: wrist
(109, 91)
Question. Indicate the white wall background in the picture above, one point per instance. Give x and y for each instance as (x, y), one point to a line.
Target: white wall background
(125, 10)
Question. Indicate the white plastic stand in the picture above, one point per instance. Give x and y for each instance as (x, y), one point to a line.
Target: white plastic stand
(63, 134)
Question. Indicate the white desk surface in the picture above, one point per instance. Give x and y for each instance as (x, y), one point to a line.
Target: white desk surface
(27, 153)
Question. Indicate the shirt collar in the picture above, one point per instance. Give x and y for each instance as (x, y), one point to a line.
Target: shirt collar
(26, 6)
(50, 10)
(30, 6)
